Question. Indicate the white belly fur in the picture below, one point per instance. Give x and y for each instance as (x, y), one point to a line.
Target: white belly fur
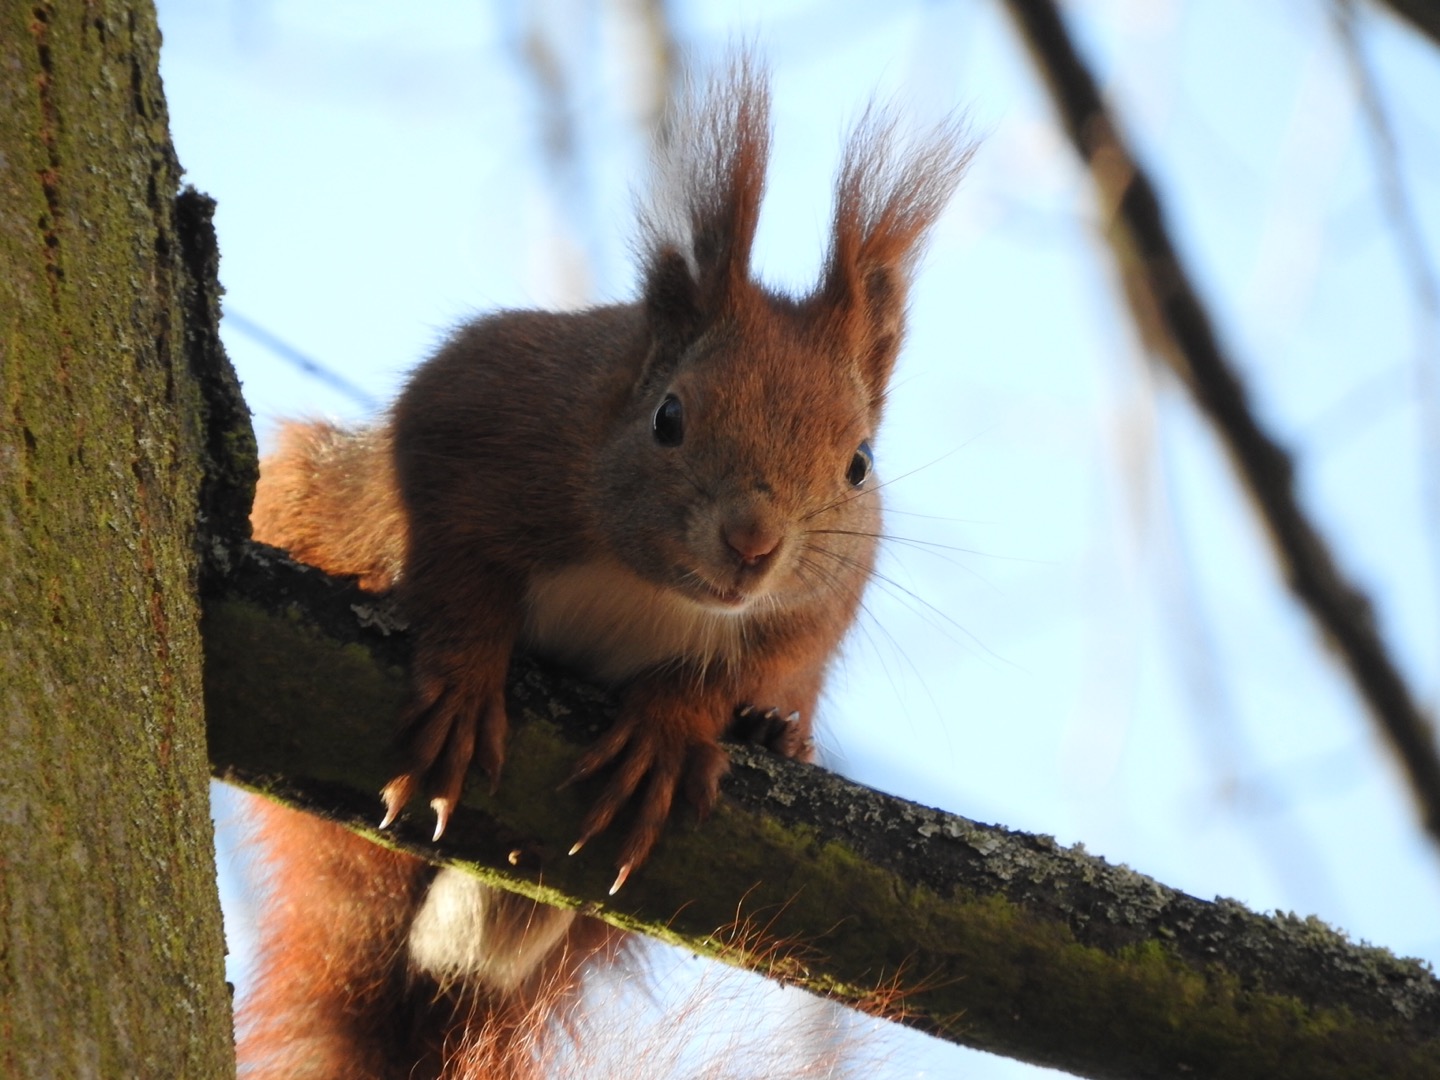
(608, 622)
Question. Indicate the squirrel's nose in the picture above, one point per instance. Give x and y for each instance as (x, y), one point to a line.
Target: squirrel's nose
(752, 542)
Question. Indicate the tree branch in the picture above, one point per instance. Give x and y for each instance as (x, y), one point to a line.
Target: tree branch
(1421, 15)
(1176, 326)
(1410, 247)
(991, 938)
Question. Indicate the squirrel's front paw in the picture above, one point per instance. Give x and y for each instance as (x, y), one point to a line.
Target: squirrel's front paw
(648, 750)
(447, 725)
(785, 735)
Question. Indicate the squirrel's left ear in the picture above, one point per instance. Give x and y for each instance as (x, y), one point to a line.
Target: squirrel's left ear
(704, 201)
(887, 197)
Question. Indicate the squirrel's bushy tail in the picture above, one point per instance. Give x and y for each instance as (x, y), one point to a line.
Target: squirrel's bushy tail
(328, 496)
(336, 997)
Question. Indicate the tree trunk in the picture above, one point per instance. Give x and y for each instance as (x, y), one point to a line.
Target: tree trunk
(110, 938)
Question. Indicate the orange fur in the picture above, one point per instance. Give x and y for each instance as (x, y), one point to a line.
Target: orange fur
(336, 997)
(672, 494)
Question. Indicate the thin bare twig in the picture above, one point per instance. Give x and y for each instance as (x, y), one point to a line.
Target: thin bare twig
(301, 361)
(1421, 15)
(1410, 242)
(1177, 328)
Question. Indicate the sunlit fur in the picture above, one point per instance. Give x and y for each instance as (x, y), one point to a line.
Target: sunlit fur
(517, 496)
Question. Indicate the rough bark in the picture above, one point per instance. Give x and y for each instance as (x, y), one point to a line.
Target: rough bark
(984, 936)
(110, 939)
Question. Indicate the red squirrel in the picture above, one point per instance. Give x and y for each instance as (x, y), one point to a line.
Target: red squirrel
(675, 496)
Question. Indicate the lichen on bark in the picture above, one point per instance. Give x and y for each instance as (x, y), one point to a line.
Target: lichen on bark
(110, 942)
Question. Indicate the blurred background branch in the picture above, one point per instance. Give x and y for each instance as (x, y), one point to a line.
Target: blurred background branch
(1422, 15)
(1177, 328)
(1408, 235)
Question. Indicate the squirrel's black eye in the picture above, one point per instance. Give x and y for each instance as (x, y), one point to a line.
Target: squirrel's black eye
(669, 422)
(860, 465)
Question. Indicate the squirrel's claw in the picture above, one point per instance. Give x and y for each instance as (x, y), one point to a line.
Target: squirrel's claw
(662, 764)
(442, 808)
(783, 735)
(620, 877)
(395, 795)
(445, 731)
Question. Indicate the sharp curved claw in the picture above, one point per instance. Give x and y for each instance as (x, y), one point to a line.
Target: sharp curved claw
(456, 717)
(395, 795)
(442, 808)
(620, 877)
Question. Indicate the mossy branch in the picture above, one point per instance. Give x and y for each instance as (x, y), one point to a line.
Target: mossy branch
(984, 936)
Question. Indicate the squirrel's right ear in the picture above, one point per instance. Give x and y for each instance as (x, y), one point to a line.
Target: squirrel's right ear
(890, 191)
(704, 201)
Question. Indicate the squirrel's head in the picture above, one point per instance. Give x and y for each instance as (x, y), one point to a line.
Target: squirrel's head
(742, 470)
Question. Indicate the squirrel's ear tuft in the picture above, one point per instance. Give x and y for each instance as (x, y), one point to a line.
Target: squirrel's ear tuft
(704, 200)
(890, 191)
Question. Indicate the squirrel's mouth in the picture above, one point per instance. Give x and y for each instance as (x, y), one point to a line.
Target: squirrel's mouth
(729, 597)
(714, 597)
(720, 591)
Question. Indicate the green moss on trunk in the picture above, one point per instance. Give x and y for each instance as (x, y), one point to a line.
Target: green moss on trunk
(110, 941)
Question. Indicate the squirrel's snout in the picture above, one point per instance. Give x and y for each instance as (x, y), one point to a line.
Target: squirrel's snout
(753, 543)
